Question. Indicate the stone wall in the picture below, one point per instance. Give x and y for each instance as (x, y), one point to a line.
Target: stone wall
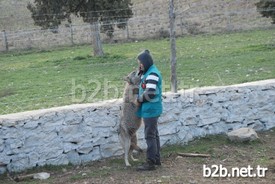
(85, 132)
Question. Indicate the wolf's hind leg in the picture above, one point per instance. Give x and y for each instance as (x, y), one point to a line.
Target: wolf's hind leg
(131, 154)
(127, 145)
(134, 147)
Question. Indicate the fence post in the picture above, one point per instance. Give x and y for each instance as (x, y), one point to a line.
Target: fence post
(229, 24)
(72, 34)
(181, 25)
(6, 44)
(172, 17)
(127, 31)
(97, 45)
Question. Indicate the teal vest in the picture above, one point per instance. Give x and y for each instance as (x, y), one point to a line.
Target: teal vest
(154, 107)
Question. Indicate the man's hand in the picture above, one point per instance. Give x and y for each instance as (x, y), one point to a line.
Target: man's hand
(137, 103)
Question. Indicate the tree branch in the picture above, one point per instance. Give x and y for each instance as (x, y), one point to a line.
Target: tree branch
(193, 155)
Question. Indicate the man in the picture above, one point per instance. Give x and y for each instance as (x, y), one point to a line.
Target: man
(150, 108)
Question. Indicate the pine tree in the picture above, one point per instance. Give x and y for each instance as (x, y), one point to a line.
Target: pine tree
(49, 14)
(267, 9)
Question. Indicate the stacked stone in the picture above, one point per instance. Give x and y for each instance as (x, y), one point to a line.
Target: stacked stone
(81, 133)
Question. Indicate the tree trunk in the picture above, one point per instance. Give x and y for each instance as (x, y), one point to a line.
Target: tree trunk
(97, 46)
(172, 17)
(6, 44)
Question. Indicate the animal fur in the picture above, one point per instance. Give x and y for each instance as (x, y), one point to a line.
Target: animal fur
(129, 122)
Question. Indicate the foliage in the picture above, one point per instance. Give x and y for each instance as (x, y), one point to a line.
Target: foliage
(50, 13)
(267, 9)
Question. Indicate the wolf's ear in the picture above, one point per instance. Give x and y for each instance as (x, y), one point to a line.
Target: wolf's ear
(139, 73)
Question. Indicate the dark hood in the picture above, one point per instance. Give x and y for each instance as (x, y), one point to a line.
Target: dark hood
(146, 59)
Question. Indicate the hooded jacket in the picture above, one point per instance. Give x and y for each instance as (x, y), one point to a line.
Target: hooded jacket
(150, 88)
(146, 59)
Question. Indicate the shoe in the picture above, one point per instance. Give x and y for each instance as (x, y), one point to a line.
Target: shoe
(147, 166)
(158, 163)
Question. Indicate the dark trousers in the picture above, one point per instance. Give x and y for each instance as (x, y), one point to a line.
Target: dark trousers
(152, 139)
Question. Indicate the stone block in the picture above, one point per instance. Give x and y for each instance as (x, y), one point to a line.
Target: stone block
(242, 135)
(58, 160)
(85, 148)
(3, 170)
(31, 125)
(93, 155)
(73, 157)
(209, 120)
(19, 162)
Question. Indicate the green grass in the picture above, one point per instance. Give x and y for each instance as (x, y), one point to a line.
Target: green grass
(219, 147)
(42, 79)
(203, 145)
(102, 173)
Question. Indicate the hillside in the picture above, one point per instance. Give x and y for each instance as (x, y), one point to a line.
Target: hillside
(14, 15)
(150, 20)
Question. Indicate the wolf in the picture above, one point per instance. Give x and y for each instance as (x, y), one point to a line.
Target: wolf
(129, 122)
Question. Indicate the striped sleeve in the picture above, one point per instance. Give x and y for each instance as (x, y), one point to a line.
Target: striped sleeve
(151, 86)
(151, 81)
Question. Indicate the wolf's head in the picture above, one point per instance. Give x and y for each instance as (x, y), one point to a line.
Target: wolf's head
(133, 78)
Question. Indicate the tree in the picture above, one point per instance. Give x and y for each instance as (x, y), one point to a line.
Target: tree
(49, 14)
(267, 9)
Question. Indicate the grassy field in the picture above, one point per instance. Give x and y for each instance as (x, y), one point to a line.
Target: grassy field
(42, 79)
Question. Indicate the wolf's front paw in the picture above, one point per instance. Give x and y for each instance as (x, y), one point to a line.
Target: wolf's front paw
(127, 164)
(134, 159)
